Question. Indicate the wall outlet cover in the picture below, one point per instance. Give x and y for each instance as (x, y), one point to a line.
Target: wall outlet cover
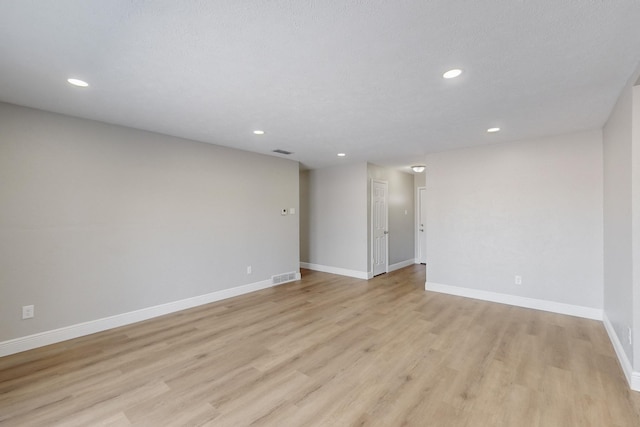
(28, 311)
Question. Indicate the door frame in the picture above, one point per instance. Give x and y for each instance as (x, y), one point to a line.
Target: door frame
(418, 211)
(386, 225)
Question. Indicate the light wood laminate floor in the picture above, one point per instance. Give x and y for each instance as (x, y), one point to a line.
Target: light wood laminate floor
(329, 351)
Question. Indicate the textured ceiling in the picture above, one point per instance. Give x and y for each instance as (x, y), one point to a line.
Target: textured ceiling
(322, 77)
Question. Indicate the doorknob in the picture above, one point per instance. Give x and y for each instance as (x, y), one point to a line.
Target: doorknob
(386, 232)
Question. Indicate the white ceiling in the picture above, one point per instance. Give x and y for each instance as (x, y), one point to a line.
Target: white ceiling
(327, 76)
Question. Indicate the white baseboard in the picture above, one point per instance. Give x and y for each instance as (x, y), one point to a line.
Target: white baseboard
(336, 270)
(401, 264)
(538, 304)
(633, 377)
(41, 339)
(353, 273)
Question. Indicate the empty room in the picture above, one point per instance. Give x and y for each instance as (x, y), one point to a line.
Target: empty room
(320, 213)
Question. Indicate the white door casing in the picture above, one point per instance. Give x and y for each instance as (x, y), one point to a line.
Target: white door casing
(379, 227)
(421, 231)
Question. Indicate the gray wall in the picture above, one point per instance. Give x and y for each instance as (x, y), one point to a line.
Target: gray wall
(635, 200)
(335, 216)
(335, 230)
(99, 220)
(305, 226)
(401, 198)
(530, 208)
(419, 180)
(618, 285)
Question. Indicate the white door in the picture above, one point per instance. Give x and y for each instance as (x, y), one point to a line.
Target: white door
(379, 223)
(420, 226)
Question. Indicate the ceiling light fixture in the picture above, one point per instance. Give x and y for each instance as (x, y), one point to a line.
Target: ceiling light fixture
(452, 73)
(418, 168)
(492, 130)
(78, 82)
(342, 155)
(258, 132)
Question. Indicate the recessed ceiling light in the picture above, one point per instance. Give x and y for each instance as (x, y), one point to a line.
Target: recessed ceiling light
(452, 73)
(341, 154)
(258, 132)
(492, 130)
(77, 82)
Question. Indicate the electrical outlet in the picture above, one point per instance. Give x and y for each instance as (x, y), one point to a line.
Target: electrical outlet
(630, 336)
(28, 311)
(518, 280)
(248, 269)
(292, 211)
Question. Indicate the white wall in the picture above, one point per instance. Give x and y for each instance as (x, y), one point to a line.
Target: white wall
(618, 288)
(401, 205)
(98, 220)
(530, 208)
(336, 223)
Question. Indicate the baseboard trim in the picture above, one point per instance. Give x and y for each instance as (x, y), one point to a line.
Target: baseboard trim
(335, 270)
(537, 304)
(634, 384)
(633, 377)
(401, 264)
(41, 339)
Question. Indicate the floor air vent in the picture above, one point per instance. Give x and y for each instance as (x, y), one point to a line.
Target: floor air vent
(279, 151)
(283, 278)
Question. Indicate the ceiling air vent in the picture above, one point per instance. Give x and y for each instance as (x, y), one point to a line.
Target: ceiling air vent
(279, 151)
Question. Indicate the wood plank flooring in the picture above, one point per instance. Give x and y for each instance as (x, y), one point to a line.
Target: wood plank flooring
(328, 351)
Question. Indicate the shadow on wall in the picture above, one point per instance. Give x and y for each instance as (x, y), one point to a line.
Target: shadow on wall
(304, 216)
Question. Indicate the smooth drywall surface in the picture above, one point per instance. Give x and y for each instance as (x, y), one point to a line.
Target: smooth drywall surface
(635, 197)
(337, 217)
(401, 206)
(305, 229)
(532, 209)
(98, 220)
(401, 217)
(618, 287)
(418, 182)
